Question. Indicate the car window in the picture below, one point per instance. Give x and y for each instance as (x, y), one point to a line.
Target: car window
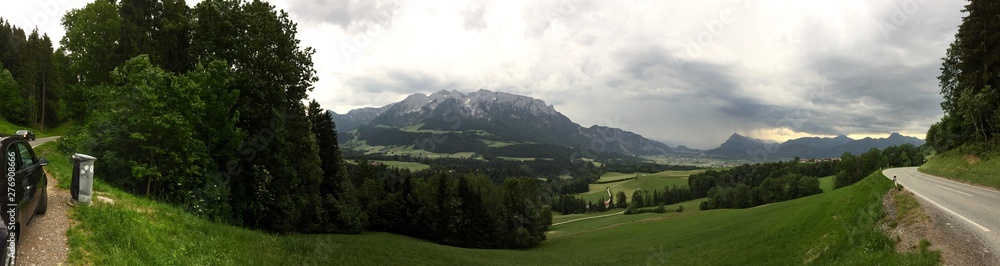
(20, 132)
(27, 156)
(11, 161)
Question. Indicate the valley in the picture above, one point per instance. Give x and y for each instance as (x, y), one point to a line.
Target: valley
(452, 124)
(230, 132)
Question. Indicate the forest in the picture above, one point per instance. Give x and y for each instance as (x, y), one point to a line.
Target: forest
(206, 108)
(970, 77)
(33, 78)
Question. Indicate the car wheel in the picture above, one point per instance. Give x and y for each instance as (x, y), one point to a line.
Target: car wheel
(43, 203)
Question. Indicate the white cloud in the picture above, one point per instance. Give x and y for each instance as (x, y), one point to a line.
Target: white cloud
(688, 72)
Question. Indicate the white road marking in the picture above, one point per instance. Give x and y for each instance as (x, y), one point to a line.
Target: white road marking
(944, 187)
(952, 212)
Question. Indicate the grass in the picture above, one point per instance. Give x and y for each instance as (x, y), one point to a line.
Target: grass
(558, 218)
(612, 176)
(522, 159)
(496, 144)
(966, 168)
(404, 150)
(834, 228)
(412, 166)
(9, 128)
(830, 228)
(826, 183)
(645, 181)
(6, 127)
(908, 210)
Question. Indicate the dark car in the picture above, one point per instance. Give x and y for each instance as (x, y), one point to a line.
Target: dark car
(26, 134)
(24, 192)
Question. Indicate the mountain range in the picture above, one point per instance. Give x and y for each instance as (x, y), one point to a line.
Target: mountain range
(738, 146)
(451, 121)
(505, 124)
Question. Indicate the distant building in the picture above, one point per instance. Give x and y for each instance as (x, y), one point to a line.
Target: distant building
(816, 160)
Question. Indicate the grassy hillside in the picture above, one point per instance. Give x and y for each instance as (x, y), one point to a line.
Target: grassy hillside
(412, 166)
(826, 183)
(830, 228)
(645, 181)
(9, 128)
(968, 168)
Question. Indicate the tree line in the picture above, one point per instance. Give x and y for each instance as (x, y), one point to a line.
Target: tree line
(970, 77)
(753, 185)
(467, 210)
(570, 204)
(32, 78)
(203, 108)
(750, 185)
(852, 168)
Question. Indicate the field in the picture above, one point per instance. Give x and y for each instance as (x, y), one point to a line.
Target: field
(407, 150)
(412, 166)
(826, 183)
(830, 228)
(966, 168)
(645, 181)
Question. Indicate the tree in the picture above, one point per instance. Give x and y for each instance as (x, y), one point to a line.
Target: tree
(637, 199)
(12, 105)
(621, 199)
(332, 160)
(145, 129)
(741, 196)
(88, 32)
(526, 220)
(970, 72)
(273, 75)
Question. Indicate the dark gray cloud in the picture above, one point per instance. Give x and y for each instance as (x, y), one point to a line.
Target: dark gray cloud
(687, 72)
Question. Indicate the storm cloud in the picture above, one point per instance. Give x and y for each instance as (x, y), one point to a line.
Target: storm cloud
(683, 72)
(678, 71)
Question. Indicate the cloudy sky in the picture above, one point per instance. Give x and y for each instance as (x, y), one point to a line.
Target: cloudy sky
(682, 72)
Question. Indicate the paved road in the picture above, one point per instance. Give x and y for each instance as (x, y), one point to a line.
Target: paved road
(40, 141)
(978, 208)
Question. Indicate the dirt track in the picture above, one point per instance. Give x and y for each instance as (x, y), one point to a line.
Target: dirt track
(44, 243)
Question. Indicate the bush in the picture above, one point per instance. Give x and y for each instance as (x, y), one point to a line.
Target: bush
(631, 210)
(145, 129)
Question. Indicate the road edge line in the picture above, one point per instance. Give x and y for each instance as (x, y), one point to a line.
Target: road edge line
(950, 211)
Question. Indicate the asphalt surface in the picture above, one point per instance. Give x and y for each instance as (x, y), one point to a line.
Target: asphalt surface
(977, 208)
(39, 141)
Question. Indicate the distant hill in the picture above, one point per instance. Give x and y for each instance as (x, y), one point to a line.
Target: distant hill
(481, 121)
(738, 146)
(863, 145)
(357, 117)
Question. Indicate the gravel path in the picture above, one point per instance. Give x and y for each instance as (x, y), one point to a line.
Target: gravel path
(45, 241)
(958, 244)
